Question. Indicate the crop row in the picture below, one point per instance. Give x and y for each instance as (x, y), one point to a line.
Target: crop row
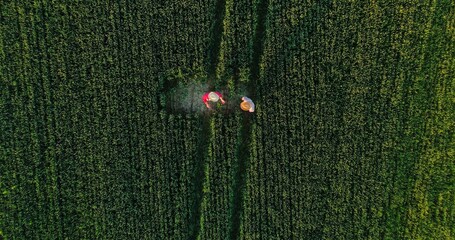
(220, 167)
(183, 29)
(351, 137)
(237, 39)
(81, 123)
(335, 99)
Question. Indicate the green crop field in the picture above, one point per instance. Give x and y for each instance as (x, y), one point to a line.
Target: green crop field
(103, 133)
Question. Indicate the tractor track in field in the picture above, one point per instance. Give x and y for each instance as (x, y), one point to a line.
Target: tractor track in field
(215, 44)
(199, 177)
(243, 149)
(243, 152)
(104, 133)
(198, 180)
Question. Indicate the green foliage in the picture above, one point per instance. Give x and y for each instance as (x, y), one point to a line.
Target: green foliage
(352, 137)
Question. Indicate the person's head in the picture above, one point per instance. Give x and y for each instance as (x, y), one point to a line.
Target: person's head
(213, 97)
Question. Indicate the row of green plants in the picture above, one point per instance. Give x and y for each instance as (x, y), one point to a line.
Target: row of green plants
(338, 131)
(351, 137)
(220, 167)
(84, 145)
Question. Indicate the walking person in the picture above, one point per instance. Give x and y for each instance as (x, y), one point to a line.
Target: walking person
(247, 104)
(212, 97)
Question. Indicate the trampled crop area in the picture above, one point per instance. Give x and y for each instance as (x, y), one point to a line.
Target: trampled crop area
(103, 134)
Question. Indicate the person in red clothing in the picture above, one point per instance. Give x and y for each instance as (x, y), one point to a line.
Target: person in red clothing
(212, 97)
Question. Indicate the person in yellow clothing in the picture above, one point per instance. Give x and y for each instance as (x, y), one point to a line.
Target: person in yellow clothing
(247, 104)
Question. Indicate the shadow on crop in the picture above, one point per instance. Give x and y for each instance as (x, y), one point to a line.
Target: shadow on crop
(245, 138)
(198, 178)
